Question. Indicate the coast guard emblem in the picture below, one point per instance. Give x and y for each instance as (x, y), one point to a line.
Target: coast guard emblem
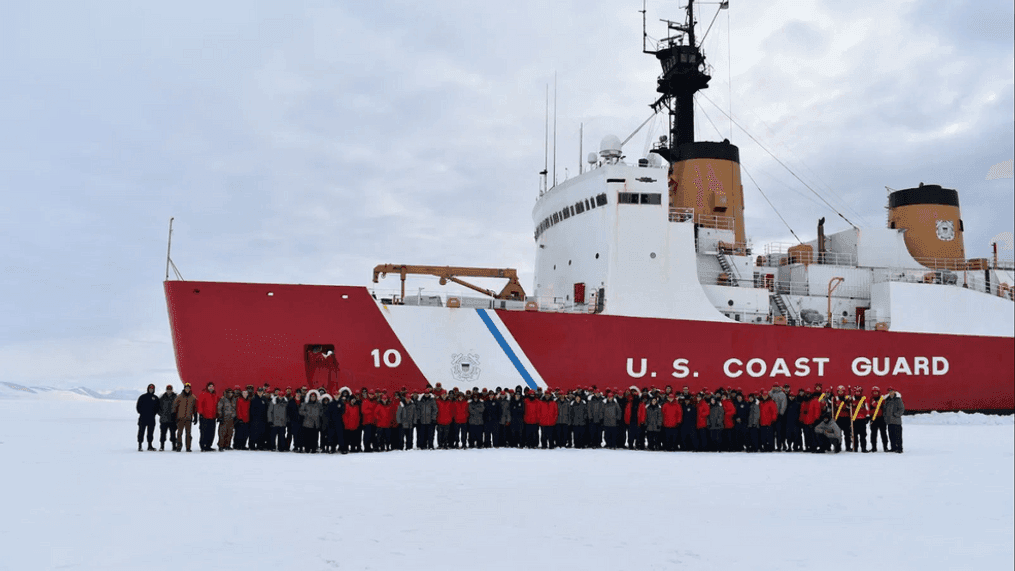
(465, 367)
(945, 230)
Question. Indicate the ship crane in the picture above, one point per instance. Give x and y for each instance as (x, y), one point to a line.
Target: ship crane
(513, 290)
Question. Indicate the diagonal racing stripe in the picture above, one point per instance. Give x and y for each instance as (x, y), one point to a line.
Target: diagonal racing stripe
(507, 349)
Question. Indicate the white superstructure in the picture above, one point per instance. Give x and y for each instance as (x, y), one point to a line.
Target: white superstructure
(608, 241)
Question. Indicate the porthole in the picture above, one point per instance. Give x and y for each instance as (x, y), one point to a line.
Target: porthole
(730, 303)
(652, 255)
(569, 262)
(845, 314)
(597, 255)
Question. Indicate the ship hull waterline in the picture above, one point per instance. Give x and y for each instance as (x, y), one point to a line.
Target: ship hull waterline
(243, 333)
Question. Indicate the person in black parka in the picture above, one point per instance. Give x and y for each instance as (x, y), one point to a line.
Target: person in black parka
(491, 420)
(258, 420)
(740, 428)
(167, 420)
(688, 426)
(293, 415)
(333, 412)
(791, 423)
(517, 410)
(147, 408)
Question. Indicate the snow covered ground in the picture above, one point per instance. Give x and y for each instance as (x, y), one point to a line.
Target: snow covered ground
(77, 495)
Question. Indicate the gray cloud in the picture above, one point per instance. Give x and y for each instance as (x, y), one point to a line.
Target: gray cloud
(307, 142)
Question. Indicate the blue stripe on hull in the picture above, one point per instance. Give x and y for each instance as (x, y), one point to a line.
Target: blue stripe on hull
(507, 348)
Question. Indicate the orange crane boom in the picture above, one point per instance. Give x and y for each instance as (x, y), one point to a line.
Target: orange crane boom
(513, 290)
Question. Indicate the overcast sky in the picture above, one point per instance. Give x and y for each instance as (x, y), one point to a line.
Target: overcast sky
(307, 142)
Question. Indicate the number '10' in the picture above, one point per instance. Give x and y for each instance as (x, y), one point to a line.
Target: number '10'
(392, 358)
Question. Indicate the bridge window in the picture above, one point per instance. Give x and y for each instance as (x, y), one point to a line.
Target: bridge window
(636, 198)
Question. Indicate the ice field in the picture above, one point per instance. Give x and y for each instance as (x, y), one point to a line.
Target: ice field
(78, 495)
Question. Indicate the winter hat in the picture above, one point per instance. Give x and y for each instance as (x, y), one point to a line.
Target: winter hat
(169, 387)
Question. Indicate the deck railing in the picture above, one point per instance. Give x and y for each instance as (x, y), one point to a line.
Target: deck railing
(680, 214)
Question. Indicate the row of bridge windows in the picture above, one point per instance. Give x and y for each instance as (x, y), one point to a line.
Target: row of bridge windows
(569, 211)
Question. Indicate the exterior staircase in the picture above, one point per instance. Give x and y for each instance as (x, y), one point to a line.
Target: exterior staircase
(724, 263)
(783, 307)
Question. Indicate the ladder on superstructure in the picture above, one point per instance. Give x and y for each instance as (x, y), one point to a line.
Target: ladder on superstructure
(783, 307)
(724, 263)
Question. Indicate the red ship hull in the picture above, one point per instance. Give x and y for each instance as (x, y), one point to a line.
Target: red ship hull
(238, 334)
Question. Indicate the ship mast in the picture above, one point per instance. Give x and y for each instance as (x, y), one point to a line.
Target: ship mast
(684, 74)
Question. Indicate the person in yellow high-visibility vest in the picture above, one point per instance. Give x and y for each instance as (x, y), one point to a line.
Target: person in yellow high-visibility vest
(861, 411)
(877, 420)
(841, 411)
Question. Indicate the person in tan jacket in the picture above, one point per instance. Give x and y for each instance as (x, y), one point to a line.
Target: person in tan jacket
(185, 412)
(226, 414)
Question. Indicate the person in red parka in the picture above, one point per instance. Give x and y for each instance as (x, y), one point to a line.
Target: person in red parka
(635, 412)
(445, 418)
(368, 419)
(547, 420)
(814, 407)
(673, 414)
(729, 421)
(383, 417)
(351, 425)
(701, 421)
(460, 426)
(242, 421)
(769, 414)
(805, 417)
(207, 410)
(530, 418)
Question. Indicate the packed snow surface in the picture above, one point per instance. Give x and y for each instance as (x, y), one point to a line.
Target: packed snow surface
(79, 496)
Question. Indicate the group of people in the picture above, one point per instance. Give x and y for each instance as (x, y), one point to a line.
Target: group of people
(726, 420)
